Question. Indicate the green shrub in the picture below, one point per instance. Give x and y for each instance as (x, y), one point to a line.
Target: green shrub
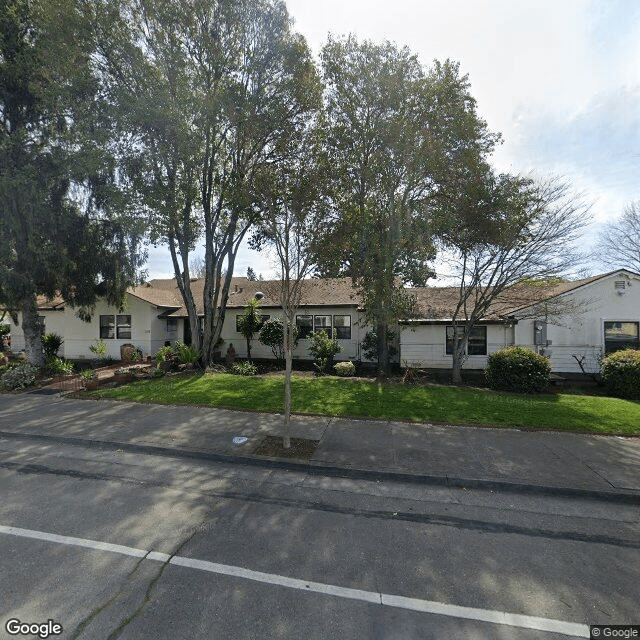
(620, 373)
(7, 367)
(24, 375)
(99, 349)
(272, 336)
(345, 369)
(164, 354)
(57, 366)
(369, 345)
(518, 369)
(88, 374)
(5, 330)
(186, 353)
(244, 369)
(323, 348)
(51, 343)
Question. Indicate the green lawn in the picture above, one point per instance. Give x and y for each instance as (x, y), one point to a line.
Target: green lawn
(343, 397)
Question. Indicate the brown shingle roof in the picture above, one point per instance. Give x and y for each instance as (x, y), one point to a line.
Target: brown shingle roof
(439, 303)
(316, 292)
(161, 293)
(55, 303)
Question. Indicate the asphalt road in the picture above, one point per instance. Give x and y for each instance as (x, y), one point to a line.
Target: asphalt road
(213, 551)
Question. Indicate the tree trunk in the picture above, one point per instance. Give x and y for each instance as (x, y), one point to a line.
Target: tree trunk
(249, 349)
(32, 328)
(383, 350)
(288, 360)
(458, 359)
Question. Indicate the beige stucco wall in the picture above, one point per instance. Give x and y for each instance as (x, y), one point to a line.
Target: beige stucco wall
(350, 348)
(54, 322)
(148, 333)
(580, 333)
(583, 335)
(425, 346)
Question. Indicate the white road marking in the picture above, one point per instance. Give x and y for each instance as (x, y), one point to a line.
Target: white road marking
(401, 602)
(75, 542)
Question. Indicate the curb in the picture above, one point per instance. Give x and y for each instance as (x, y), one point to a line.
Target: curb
(318, 468)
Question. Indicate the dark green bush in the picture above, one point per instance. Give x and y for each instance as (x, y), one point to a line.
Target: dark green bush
(272, 336)
(323, 348)
(51, 343)
(369, 345)
(518, 369)
(620, 373)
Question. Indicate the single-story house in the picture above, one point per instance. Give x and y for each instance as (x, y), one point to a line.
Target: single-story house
(567, 321)
(154, 315)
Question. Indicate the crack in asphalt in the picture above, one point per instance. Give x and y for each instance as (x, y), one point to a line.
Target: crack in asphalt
(117, 632)
(94, 613)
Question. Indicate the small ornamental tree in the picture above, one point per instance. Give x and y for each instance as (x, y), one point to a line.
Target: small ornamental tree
(272, 336)
(621, 373)
(518, 369)
(249, 323)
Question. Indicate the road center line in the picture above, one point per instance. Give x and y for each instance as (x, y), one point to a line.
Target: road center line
(401, 602)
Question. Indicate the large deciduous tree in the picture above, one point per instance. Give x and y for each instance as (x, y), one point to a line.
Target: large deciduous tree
(63, 220)
(499, 232)
(396, 132)
(209, 88)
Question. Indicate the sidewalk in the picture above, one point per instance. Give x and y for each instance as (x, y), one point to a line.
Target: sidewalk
(597, 467)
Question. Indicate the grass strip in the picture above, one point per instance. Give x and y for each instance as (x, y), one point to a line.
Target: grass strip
(372, 399)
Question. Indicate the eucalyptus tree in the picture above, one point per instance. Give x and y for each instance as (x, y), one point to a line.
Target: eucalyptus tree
(64, 224)
(396, 132)
(208, 88)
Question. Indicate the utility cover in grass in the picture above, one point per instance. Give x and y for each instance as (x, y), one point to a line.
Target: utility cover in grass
(300, 449)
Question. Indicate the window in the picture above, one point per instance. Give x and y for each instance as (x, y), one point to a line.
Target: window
(115, 326)
(342, 326)
(477, 344)
(123, 328)
(304, 325)
(107, 327)
(172, 324)
(263, 319)
(321, 323)
(620, 335)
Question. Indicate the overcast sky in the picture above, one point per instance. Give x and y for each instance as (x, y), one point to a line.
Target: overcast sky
(560, 80)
